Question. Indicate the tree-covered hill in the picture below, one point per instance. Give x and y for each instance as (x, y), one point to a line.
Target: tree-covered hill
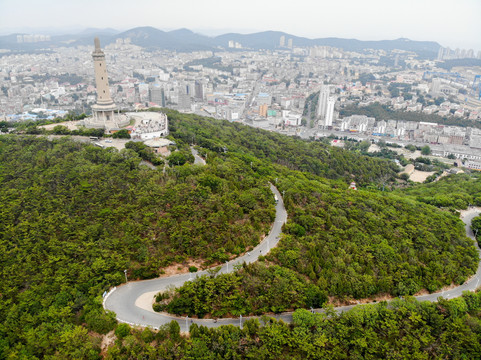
(344, 244)
(254, 289)
(453, 191)
(402, 329)
(74, 216)
(359, 243)
(293, 153)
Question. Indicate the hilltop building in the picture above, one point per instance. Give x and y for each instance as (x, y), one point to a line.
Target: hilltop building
(149, 125)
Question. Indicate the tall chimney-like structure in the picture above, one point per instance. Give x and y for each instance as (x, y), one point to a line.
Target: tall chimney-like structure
(104, 109)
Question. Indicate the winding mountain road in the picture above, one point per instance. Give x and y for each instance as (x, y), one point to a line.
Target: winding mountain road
(197, 159)
(132, 302)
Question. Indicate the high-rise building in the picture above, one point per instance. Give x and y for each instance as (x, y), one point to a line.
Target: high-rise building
(396, 60)
(436, 86)
(329, 111)
(322, 101)
(199, 90)
(441, 53)
(289, 43)
(263, 110)
(156, 95)
(282, 41)
(185, 102)
(104, 109)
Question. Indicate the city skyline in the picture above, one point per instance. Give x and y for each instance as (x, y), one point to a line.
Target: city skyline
(451, 26)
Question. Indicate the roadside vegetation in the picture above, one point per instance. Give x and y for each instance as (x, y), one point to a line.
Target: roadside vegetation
(74, 216)
(345, 245)
(402, 329)
(451, 192)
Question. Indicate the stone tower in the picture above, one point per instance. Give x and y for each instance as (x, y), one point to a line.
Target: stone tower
(104, 110)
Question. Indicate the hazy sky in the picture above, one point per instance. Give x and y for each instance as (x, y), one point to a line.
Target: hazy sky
(454, 23)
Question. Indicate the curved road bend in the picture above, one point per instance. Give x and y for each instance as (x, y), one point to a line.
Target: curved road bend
(132, 302)
(197, 159)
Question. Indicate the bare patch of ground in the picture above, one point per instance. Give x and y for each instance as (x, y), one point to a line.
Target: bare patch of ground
(445, 173)
(336, 302)
(71, 125)
(181, 268)
(420, 176)
(470, 210)
(373, 148)
(107, 341)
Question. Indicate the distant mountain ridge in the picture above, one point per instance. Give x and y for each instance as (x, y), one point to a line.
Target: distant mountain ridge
(184, 40)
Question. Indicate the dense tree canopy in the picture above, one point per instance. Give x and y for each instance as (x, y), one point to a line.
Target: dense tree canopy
(348, 245)
(453, 191)
(255, 289)
(405, 329)
(293, 153)
(358, 243)
(73, 216)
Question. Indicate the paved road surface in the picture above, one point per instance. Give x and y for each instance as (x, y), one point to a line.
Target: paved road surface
(133, 302)
(197, 158)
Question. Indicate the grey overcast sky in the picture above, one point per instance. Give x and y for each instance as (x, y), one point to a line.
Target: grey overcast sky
(454, 23)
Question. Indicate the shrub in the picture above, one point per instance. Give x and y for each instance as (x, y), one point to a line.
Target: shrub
(122, 330)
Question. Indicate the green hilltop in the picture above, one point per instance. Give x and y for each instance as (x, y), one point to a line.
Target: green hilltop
(73, 216)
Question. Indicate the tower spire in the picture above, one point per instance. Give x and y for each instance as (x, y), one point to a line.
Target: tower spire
(105, 107)
(97, 44)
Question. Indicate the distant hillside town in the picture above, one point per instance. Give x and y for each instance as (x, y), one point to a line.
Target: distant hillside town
(294, 84)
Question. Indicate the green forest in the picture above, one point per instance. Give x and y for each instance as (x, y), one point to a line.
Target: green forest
(265, 149)
(73, 216)
(453, 191)
(402, 329)
(341, 244)
(254, 289)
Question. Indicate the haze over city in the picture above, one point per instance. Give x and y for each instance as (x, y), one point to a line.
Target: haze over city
(453, 24)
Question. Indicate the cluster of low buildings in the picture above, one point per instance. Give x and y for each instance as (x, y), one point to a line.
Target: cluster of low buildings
(427, 132)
